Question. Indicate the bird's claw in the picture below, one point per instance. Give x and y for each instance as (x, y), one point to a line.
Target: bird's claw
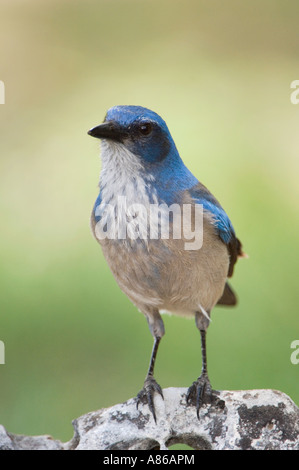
(146, 395)
(200, 392)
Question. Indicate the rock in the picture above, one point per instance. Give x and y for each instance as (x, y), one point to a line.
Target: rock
(10, 441)
(254, 419)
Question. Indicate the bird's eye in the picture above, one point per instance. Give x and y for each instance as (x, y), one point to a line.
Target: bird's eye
(145, 128)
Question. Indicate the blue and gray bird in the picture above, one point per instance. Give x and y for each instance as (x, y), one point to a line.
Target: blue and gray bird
(141, 167)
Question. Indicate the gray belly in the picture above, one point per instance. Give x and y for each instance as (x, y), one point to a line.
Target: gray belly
(162, 274)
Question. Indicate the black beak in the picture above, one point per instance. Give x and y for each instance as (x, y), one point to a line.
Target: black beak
(108, 130)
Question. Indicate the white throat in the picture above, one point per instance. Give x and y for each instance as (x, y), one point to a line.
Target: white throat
(123, 175)
(124, 184)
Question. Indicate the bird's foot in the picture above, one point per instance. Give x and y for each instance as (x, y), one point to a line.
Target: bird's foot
(200, 393)
(146, 395)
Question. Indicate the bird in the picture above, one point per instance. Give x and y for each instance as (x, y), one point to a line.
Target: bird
(142, 170)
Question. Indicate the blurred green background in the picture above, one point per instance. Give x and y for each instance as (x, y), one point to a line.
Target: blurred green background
(219, 73)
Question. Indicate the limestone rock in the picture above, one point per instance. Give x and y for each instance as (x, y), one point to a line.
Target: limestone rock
(254, 419)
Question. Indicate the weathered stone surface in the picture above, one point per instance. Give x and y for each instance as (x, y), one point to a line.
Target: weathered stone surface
(10, 441)
(254, 419)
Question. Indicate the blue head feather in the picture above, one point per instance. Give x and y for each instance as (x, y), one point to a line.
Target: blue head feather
(156, 149)
(152, 147)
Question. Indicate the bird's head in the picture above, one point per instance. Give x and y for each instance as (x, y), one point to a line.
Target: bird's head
(137, 144)
(139, 130)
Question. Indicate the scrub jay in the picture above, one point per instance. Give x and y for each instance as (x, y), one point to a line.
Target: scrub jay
(142, 169)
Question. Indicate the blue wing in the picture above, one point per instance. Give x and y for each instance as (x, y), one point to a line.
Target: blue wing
(210, 204)
(97, 203)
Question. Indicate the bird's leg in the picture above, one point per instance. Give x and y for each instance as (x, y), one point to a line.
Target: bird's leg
(153, 356)
(200, 391)
(150, 386)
